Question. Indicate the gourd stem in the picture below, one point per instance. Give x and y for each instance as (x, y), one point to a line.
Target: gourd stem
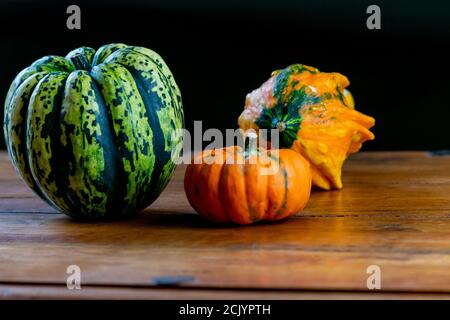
(281, 126)
(81, 62)
(251, 143)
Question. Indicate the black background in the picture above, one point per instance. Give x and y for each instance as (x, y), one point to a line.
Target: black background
(220, 51)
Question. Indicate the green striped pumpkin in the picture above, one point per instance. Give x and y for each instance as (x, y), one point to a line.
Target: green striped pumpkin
(95, 133)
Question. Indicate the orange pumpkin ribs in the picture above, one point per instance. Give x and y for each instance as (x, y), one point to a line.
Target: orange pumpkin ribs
(242, 191)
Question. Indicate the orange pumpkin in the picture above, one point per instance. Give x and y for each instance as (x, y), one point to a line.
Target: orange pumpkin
(246, 186)
(315, 115)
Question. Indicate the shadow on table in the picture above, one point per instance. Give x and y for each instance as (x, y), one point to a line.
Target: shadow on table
(166, 219)
(160, 229)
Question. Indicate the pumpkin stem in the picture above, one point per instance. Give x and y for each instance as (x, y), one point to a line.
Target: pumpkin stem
(81, 62)
(251, 143)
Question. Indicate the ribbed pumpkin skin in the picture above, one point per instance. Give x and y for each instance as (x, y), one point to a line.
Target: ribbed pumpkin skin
(98, 142)
(239, 193)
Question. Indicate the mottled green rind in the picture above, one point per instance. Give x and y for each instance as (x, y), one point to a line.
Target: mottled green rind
(96, 143)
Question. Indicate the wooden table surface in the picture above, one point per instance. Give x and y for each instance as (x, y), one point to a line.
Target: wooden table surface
(394, 212)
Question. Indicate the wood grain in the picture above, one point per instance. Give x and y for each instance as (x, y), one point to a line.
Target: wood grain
(40, 292)
(394, 211)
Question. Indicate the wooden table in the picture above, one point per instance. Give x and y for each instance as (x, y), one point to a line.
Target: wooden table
(394, 212)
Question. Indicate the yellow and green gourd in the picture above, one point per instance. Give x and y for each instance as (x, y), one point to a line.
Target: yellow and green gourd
(315, 116)
(95, 133)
